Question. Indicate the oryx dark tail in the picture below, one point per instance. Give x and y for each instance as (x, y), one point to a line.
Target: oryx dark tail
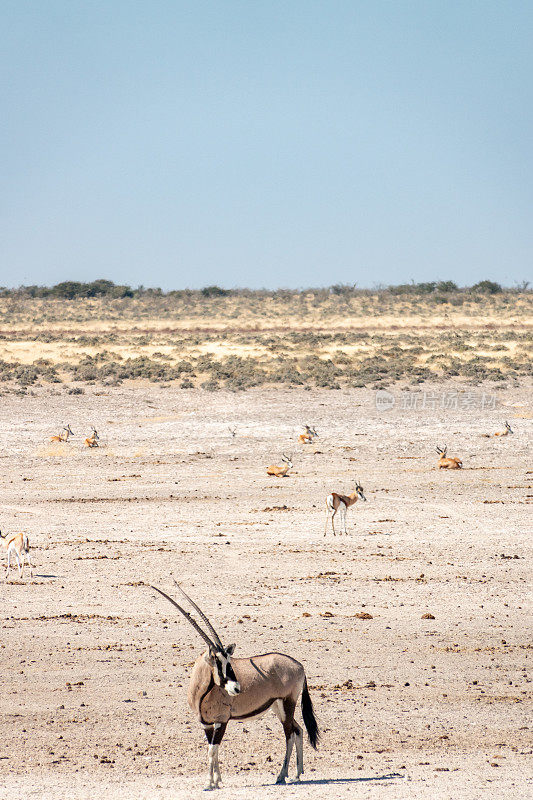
(309, 718)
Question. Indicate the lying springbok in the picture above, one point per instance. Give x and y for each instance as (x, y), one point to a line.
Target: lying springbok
(223, 688)
(447, 463)
(281, 472)
(341, 502)
(308, 436)
(17, 543)
(506, 432)
(92, 440)
(63, 436)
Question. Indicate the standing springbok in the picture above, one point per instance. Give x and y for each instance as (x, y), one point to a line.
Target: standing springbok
(506, 432)
(223, 688)
(447, 463)
(17, 543)
(281, 472)
(63, 436)
(341, 502)
(308, 436)
(92, 440)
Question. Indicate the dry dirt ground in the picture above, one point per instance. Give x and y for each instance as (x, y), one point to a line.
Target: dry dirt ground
(95, 667)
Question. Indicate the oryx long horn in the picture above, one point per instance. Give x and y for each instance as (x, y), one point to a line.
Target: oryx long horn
(186, 614)
(203, 616)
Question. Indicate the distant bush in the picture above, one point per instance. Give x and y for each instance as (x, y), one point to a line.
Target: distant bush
(214, 291)
(487, 287)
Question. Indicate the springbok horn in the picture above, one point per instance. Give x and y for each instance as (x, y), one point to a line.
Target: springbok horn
(203, 616)
(186, 614)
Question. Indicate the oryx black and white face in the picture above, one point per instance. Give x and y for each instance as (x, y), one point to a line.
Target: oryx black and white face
(359, 490)
(218, 657)
(223, 674)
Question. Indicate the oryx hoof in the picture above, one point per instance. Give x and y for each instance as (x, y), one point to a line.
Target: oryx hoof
(280, 780)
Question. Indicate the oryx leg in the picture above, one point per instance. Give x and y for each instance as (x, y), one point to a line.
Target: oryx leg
(284, 710)
(214, 736)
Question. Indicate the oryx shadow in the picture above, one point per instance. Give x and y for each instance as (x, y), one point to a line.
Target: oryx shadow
(339, 781)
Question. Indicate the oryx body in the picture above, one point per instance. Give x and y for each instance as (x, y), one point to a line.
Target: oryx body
(223, 688)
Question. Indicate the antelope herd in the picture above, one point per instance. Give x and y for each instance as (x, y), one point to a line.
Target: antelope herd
(223, 688)
(66, 432)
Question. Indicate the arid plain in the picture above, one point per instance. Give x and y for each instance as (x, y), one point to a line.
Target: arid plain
(428, 698)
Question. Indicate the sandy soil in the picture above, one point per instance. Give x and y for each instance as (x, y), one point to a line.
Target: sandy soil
(95, 668)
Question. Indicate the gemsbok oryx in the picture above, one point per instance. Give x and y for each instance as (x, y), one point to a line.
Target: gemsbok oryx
(281, 472)
(92, 440)
(63, 436)
(19, 545)
(308, 436)
(506, 432)
(222, 688)
(233, 432)
(447, 463)
(341, 502)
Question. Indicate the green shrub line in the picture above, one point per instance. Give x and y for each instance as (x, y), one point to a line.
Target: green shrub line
(69, 290)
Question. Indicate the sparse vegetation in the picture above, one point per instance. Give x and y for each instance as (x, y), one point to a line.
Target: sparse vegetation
(238, 339)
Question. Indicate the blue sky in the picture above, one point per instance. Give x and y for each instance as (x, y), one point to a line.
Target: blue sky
(266, 143)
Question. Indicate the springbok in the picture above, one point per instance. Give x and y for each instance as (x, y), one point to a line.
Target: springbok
(63, 437)
(506, 432)
(281, 472)
(222, 688)
(341, 502)
(17, 543)
(308, 436)
(92, 440)
(447, 463)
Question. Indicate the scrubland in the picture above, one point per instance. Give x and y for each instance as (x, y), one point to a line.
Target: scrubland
(414, 629)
